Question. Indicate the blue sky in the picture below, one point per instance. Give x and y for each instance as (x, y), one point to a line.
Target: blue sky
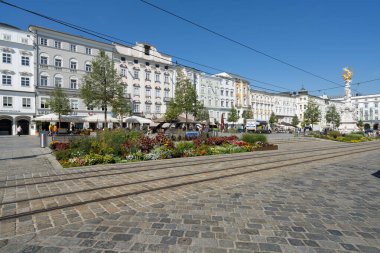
(319, 36)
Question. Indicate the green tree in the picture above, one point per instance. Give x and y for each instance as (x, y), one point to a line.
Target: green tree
(121, 107)
(185, 100)
(273, 119)
(59, 103)
(332, 116)
(102, 86)
(172, 111)
(203, 114)
(295, 121)
(233, 116)
(312, 113)
(360, 124)
(247, 114)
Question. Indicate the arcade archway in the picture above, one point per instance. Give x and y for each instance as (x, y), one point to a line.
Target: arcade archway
(6, 125)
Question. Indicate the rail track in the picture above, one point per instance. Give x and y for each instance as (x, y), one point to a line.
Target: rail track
(146, 166)
(128, 188)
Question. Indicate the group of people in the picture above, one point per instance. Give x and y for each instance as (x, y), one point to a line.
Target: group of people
(53, 129)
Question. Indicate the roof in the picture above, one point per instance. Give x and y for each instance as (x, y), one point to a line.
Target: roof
(9, 26)
(69, 34)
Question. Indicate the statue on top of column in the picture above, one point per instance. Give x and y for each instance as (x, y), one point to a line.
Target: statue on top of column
(347, 74)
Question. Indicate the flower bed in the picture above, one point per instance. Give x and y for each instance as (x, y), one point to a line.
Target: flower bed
(121, 146)
(351, 138)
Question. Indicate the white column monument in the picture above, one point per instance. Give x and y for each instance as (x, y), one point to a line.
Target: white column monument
(348, 115)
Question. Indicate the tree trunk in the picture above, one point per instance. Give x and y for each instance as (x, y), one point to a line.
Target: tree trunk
(186, 121)
(59, 120)
(105, 117)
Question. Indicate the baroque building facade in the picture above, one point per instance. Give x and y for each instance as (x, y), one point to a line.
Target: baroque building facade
(148, 77)
(17, 91)
(61, 61)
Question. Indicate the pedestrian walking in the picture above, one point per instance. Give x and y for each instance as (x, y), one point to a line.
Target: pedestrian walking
(19, 130)
(55, 129)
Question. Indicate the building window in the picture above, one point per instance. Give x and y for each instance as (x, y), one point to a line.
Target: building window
(43, 41)
(157, 77)
(221, 92)
(147, 92)
(226, 103)
(44, 60)
(88, 67)
(73, 66)
(25, 82)
(158, 108)
(123, 71)
(7, 37)
(147, 108)
(26, 102)
(136, 74)
(147, 76)
(44, 81)
(232, 93)
(7, 58)
(57, 44)
(24, 41)
(74, 104)
(166, 78)
(158, 93)
(88, 50)
(209, 102)
(166, 94)
(73, 48)
(136, 107)
(24, 60)
(73, 84)
(58, 81)
(58, 63)
(136, 91)
(122, 59)
(222, 103)
(44, 103)
(226, 93)
(7, 101)
(7, 80)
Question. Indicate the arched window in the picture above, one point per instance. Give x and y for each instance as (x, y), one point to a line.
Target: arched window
(44, 59)
(44, 77)
(73, 65)
(87, 66)
(74, 83)
(58, 62)
(58, 80)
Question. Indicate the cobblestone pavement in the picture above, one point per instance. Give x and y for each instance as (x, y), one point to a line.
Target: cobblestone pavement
(325, 207)
(20, 155)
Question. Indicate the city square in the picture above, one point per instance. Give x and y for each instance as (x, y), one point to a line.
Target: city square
(192, 126)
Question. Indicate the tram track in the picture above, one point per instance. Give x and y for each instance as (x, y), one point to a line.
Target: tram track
(164, 165)
(157, 184)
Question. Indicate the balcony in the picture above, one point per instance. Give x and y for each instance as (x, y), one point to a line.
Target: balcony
(167, 99)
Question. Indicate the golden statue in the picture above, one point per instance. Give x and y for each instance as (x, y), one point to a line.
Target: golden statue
(347, 74)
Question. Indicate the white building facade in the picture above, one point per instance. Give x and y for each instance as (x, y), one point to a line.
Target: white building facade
(148, 78)
(61, 61)
(17, 91)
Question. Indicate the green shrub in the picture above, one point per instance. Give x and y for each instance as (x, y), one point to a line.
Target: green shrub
(62, 154)
(350, 137)
(253, 138)
(333, 134)
(82, 144)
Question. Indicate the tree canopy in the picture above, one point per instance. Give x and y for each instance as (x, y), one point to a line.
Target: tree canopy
(185, 100)
(273, 118)
(332, 116)
(59, 103)
(312, 113)
(121, 107)
(295, 121)
(102, 86)
(233, 116)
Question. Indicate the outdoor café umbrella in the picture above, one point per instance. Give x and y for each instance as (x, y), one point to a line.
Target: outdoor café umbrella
(100, 118)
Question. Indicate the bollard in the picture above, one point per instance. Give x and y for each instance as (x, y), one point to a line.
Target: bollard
(43, 140)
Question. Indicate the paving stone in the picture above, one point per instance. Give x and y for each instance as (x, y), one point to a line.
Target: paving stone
(177, 233)
(122, 237)
(138, 247)
(105, 245)
(30, 249)
(246, 245)
(350, 247)
(171, 240)
(270, 247)
(87, 235)
(368, 249)
(184, 241)
(295, 242)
